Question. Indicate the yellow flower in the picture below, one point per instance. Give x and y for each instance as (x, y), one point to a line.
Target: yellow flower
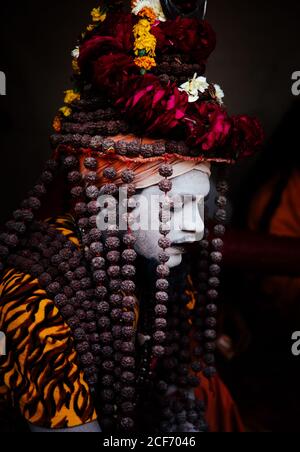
(98, 15)
(57, 124)
(90, 27)
(144, 45)
(141, 28)
(144, 40)
(75, 66)
(66, 111)
(147, 43)
(145, 62)
(70, 96)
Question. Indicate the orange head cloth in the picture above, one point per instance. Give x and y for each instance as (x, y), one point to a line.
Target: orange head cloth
(146, 173)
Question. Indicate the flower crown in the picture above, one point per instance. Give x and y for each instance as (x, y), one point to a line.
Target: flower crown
(148, 72)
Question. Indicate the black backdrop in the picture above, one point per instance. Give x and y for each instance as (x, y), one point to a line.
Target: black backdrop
(256, 54)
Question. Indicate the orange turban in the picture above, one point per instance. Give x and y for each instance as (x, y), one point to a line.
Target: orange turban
(146, 173)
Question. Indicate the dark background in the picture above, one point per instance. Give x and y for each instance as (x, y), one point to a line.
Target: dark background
(257, 51)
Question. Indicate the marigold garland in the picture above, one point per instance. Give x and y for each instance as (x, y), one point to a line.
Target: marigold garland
(75, 66)
(71, 96)
(144, 41)
(57, 124)
(66, 111)
(98, 14)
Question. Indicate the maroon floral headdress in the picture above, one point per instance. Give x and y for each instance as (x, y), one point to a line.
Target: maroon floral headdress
(140, 75)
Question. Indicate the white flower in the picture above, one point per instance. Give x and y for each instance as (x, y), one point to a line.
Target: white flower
(219, 93)
(194, 86)
(155, 5)
(201, 84)
(75, 52)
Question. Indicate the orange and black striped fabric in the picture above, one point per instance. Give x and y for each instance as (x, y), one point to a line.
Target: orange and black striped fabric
(40, 374)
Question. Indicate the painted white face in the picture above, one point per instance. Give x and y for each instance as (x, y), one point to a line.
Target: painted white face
(187, 217)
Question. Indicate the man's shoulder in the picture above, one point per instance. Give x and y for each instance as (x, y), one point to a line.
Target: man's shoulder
(14, 282)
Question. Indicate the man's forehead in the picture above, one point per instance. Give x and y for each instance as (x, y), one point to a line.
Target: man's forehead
(192, 182)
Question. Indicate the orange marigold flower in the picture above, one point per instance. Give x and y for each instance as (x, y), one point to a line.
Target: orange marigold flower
(149, 13)
(145, 62)
(57, 124)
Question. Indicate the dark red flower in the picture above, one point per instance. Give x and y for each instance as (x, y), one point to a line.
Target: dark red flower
(116, 37)
(247, 135)
(120, 25)
(190, 36)
(170, 111)
(208, 126)
(157, 107)
(111, 72)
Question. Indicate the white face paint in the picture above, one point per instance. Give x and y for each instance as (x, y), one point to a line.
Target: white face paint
(187, 219)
